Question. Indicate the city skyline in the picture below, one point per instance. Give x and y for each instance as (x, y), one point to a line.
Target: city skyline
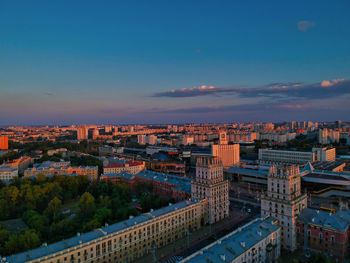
(183, 62)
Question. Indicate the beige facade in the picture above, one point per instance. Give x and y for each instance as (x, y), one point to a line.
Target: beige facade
(125, 241)
(132, 167)
(284, 201)
(82, 133)
(210, 184)
(325, 154)
(228, 154)
(62, 168)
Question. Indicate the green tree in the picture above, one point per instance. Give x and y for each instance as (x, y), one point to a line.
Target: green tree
(103, 215)
(23, 241)
(87, 205)
(53, 209)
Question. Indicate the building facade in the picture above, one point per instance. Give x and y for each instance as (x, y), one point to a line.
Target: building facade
(125, 241)
(284, 201)
(8, 173)
(132, 167)
(257, 241)
(325, 154)
(282, 156)
(209, 184)
(4, 143)
(82, 133)
(228, 154)
(325, 232)
(49, 168)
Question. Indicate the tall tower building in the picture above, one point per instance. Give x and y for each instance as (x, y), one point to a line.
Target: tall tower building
(82, 133)
(210, 184)
(284, 201)
(228, 154)
(4, 142)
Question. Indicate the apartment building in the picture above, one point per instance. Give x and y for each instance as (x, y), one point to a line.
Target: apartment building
(284, 201)
(257, 241)
(209, 184)
(124, 241)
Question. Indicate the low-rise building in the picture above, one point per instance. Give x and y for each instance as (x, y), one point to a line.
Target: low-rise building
(132, 167)
(168, 185)
(8, 173)
(284, 156)
(257, 241)
(325, 232)
(20, 164)
(49, 168)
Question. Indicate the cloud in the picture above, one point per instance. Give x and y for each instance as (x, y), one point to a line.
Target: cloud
(192, 92)
(330, 83)
(305, 25)
(290, 91)
(49, 94)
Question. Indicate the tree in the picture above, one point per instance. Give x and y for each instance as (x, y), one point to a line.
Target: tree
(87, 205)
(53, 209)
(23, 241)
(103, 215)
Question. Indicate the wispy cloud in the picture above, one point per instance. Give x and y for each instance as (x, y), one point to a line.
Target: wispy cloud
(290, 91)
(305, 25)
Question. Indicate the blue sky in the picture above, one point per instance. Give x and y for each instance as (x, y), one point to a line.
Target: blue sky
(173, 61)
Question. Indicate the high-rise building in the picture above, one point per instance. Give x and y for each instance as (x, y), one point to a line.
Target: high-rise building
(228, 154)
(210, 184)
(284, 201)
(141, 139)
(4, 142)
(95, 134)
(82, 133)
(152, 139)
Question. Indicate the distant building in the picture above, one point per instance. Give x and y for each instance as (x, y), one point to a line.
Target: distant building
(141, 139)
(187, 139)
(49, 168)
(328, 136)
(209, 184)
(132, 167)
(284, 201)
(20, 164)
(284, 156)
(176, 187)
(324, 154)
(4, 143)
(228, 154)
(8, 173)
(152, 139)
(257, 241)
(325, 232)
(82, 133)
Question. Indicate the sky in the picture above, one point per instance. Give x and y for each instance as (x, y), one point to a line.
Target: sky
(83, 62)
